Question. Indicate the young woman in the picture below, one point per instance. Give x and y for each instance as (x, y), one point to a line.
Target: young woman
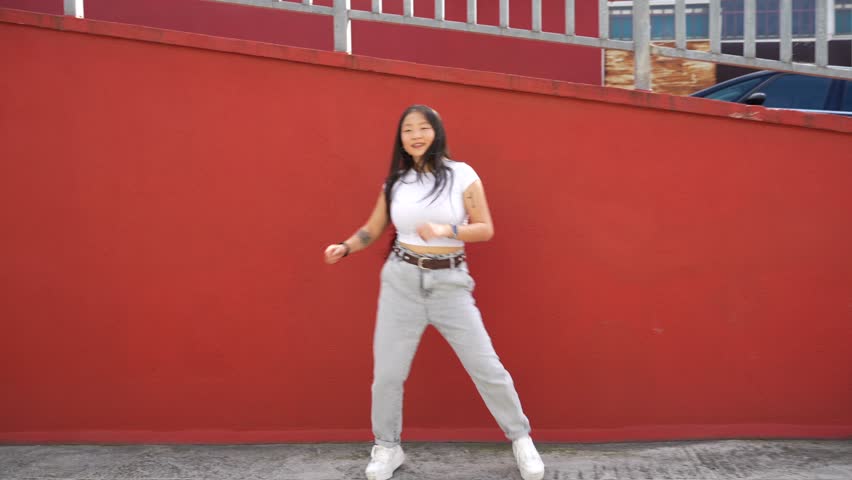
(436, 205)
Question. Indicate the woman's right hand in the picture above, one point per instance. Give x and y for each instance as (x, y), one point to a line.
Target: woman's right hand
(333, 253)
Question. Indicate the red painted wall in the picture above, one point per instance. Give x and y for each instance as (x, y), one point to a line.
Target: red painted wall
(164, 211)
(422, 45)
(53, 7)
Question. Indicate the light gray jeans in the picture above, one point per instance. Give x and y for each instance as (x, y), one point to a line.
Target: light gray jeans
(410, 299)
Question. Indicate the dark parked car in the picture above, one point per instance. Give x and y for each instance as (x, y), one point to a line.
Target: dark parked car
(785, 90)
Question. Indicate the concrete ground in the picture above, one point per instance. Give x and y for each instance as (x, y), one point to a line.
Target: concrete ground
(699, 460)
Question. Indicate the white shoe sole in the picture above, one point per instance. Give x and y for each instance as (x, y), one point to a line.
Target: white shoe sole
(533, 476)
(385, 475)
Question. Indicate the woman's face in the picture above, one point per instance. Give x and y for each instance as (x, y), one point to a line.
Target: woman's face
(417, 135)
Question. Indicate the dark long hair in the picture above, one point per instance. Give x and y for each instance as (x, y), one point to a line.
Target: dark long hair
(433, 159)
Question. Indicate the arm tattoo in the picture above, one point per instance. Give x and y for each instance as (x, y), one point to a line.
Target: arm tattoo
(365, 237)
(472, 201)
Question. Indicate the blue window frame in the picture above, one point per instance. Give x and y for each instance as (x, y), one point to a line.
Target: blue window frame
(662, 22)
(768, 16)
(662, 25)
(697, 24)
(621, 23)
(842, 17)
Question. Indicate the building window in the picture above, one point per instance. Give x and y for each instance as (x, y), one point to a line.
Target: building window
(662, 22)
(842, 17)
(621, 23)
(697, 23)
(768, 16)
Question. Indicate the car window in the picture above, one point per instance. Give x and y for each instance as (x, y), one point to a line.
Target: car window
(847, 97)
(734, 92)
(796, 91)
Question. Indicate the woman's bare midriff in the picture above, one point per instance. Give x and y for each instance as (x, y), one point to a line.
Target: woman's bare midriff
(432, 250)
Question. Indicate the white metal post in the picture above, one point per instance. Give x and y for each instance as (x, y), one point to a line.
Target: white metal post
(642, 45)
(715, 25)
(74, 8)
(786, 28)
(821, 34)
(749, 28)
(342, 26)
(536, 15)
(569, 17)
(680, 24)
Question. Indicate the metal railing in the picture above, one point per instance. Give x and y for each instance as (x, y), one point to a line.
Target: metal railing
(641, 45)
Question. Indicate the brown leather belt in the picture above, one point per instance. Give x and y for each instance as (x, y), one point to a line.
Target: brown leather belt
(427, 263)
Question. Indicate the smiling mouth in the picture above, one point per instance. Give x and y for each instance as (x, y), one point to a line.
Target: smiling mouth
(418, 145)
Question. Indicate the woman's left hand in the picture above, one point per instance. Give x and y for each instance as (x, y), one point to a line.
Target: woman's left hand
(428, 231)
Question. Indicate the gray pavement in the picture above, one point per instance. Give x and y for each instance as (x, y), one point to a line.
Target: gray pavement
(699, 460)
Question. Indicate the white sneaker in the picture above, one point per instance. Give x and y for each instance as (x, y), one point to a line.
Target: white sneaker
(529, 461)
(384, 461)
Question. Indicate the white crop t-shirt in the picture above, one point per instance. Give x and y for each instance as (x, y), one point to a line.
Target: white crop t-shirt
(412, 204)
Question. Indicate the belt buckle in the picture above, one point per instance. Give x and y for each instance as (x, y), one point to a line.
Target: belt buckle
(420, 263)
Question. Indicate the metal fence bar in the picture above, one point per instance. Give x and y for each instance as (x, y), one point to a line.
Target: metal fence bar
(74, 8)
(641, 45)
(761, 63)
(492, 30)
(569, 17)
(342, 26)
(680, 24)
(749, 28)
(821, 34)
(296, 7)
(715, 26)
(536, 15)
(786, 28)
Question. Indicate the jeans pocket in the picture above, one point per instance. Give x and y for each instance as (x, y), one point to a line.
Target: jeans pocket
(463, 278)
(471, 283)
